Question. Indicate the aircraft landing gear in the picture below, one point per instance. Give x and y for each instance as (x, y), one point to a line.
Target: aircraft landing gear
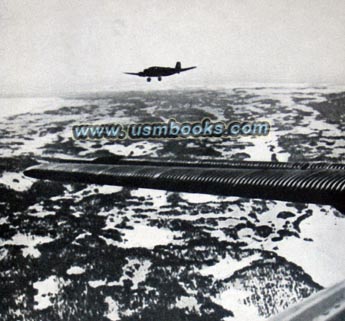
(148, 79)
(159, 78)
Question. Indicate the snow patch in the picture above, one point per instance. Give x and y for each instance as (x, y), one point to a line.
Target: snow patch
(97, 283)
(16, 181)
(228, 266)
(75, 270)
(147, 237)
(47, 291)
(30, 242)
(113, 309)
(323, 257)
(232, 299)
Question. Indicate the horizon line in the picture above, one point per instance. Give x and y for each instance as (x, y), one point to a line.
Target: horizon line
(141, 88)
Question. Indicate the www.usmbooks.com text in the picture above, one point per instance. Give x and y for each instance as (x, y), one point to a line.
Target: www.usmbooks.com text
(171, 130)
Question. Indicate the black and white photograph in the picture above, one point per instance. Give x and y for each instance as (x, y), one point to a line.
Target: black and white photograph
(172, 160)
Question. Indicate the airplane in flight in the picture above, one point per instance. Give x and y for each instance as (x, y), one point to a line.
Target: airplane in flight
(160, 72)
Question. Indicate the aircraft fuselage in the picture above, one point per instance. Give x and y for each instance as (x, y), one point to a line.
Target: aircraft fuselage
(158, 72)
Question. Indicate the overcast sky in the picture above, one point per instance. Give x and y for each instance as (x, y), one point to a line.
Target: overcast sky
(58, 45)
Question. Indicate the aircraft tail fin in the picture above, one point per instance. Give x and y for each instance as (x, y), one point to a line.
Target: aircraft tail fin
(178, 66)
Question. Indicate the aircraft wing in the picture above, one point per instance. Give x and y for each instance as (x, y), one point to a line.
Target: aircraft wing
(132, 73)
(185, 69)
(320, 184)
(325, 305)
